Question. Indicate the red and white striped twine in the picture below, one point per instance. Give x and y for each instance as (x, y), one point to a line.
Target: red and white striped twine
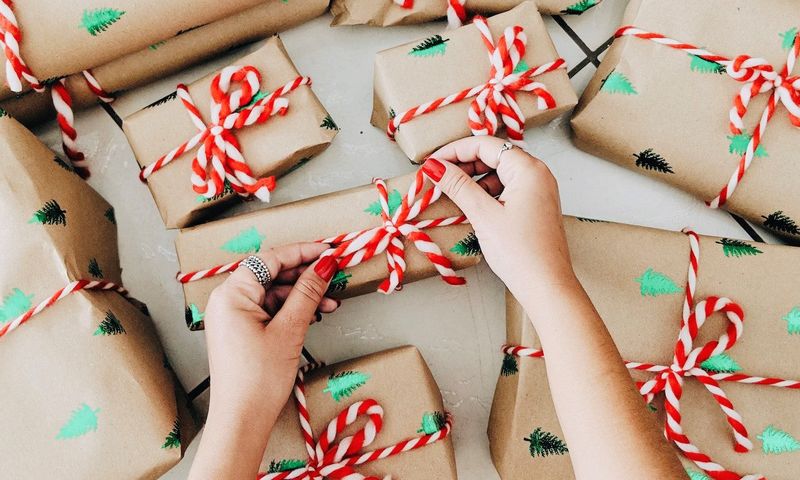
(495, 101)
(328, 458)
(219, 157)
(758, 77)
(73, 287)
(456, 13)
(686, 363)
(354, 248)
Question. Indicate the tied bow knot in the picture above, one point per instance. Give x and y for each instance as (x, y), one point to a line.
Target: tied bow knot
(456, 13)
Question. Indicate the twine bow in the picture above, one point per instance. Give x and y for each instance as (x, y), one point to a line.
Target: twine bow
(456, 13)
(758, 77)
(495, 101)
(219, 158)
(328, 458)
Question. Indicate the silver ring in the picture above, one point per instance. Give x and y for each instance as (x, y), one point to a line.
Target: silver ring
(506, 147)
(259, 269)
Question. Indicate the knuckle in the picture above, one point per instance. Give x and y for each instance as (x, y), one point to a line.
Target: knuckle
(311, 288)
(454, 184)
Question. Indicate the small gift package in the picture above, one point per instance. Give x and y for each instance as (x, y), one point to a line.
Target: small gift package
(725, 334)
(87, 390)
(703, 95)
(400, 12)
(204, 144)
(508, 76)
(402, 224)
(188, 47)
(379, 416)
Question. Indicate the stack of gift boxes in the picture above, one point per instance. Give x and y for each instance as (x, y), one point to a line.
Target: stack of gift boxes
(234, 133)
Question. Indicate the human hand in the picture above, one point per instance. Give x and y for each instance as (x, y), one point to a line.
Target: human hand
(521, 235)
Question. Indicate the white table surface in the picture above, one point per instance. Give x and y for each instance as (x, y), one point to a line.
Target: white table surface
(459, 333)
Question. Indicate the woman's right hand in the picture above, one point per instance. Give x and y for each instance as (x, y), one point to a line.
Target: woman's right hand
(514, 209)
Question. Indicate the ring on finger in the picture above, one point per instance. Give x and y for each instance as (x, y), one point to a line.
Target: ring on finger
(257, 266)
(506, 147)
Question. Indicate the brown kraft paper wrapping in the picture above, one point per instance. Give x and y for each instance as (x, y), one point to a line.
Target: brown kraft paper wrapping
(217, 243)
(62, 38)
(189, 47)
(679, 113)
(271, 148)
(403, 81)
(85, 369)
(400, 381)
(384, 13)
(645, 329)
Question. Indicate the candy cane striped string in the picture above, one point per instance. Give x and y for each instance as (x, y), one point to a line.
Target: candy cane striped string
(95, 87)
(758, 77)
(456, 13)
(354, 248)
(495, 100)
(687, 362)
(328, 458)
(219, 157)
(73, 287)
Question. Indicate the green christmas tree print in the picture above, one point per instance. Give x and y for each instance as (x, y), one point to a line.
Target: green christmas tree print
(617, 82)
(522, 67)
(343, 384)
(99, 19)
(50, 214)
(702, 65)
(739, 144)
(590, 220)
(173, 439)
(297, 165)
(651, 406)
(650, 160)
(110, 215)
(792, 320)
(432, 423)
(167, 98)
(394, 199)
(226, 190)
(14, 304)
(579, 7)
(82, 421)
(61, 163)
(654, 284)
(431, 46)
(328, 123)
(544, 443)
(697, 475)
(392, 113)
(110, 326)
(787, 38)
(339, 282)
(779, 222)
(94, 269)
(737, 248)
(468, 246)
(285, 465)
(156, 45)
(194, 317)
(776, 441)
(3, 113)
(260, 95)
(247, 241)
(721, 363)
(509, 366)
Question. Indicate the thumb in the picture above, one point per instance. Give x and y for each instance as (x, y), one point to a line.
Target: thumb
(476, 204)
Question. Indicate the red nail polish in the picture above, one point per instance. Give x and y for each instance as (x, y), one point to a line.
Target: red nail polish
(434, 169)
(325, 268)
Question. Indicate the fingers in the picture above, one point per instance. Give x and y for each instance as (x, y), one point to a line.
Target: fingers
(277, 294)
(491, 184)
(476, 204)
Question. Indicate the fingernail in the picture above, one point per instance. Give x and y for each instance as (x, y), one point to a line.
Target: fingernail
(338, 303)
(325, 268)
(319, 317)
(434, 169)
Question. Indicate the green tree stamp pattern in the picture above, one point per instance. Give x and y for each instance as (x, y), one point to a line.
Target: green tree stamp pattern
(432, 422)
(650, 160)
(697, 475)
(654, 284)
(226, 190)
(542, 444)
(61, 163)
(787, 38)
(792, 320)
(737, 248)
(738, 145)
(780, 222)
(285, 465)
(701, 65)
(14, 304)
(343, 384)
(82, 421)
(329, 124)
(431, 46)
(98, 20)
(775, 441)
(509, 366)
(618, 83)
(579, 7)
(721, 363)
(394, 200)
(194, 317)
(339, 282)
(468, 246)
(522, 67)
(109, 326)
(173, 439)
(110, 215)
(166, 98)
(50, 214)
(247, 241)
(94, 268)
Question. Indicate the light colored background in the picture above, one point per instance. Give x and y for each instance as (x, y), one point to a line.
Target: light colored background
(459, 330)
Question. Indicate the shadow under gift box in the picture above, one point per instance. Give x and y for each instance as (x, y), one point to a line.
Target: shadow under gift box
(643, 314)
(386, 12)
(400, 381)
(406, 78)
(270, 148)
(665, 113)
(86, 386)
(232, 239)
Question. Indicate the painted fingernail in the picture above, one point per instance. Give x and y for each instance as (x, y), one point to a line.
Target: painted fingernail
(319, 317)
(434, 169)
(325, 268)
(338, 303)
